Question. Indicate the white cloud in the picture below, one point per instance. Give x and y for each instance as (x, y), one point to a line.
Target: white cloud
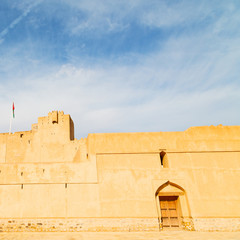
(191, 79)
(109, 15)
(164, 91)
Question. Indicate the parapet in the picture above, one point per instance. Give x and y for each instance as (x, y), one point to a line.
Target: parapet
(34, 127)
(56, 117)
(56, 126)
(50, 140)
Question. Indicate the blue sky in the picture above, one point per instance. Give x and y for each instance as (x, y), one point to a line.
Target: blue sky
(120, 66)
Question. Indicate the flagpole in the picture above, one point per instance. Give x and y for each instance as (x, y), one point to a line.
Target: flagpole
(10, 127)
(11, 118)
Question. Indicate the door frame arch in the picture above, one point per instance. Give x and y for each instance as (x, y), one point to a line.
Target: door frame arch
(172, 189)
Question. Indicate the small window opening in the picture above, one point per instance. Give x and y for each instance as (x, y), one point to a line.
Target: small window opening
(21, 135)
(29, 141)
(21, 173)
(22, 186)
(43, 170)
(163, 159)
(65, 185)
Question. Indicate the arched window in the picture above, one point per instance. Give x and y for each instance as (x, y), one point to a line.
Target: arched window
(163, 159)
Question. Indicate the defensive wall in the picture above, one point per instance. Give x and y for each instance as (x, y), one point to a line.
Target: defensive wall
(50, 181)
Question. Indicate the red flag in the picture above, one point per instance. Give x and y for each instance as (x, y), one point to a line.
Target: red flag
(13, 108)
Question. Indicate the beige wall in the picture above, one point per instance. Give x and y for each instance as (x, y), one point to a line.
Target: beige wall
(46, 173)
(126, 184)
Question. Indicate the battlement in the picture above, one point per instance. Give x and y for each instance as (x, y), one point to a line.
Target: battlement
(57, 126)
(54, 117)
(46, 142)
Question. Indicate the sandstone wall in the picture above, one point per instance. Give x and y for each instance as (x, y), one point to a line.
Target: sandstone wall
(50, 181)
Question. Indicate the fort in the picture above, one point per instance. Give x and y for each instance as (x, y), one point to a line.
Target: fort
(148, 181)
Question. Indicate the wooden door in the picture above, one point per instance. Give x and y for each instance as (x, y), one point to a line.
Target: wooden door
(169, 211)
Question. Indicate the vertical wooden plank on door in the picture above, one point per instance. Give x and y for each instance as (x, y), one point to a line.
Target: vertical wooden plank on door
(169, 211)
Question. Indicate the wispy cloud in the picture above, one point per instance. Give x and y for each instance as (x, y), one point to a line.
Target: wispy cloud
(17, 20)
(149, 96)
(162, 66)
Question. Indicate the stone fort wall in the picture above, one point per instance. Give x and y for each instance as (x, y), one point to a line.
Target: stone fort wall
(50, 181)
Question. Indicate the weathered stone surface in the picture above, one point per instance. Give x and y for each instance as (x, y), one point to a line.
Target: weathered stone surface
(165, 235)
(50, 181)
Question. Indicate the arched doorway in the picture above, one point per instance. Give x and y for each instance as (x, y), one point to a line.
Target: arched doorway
(173, 207)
